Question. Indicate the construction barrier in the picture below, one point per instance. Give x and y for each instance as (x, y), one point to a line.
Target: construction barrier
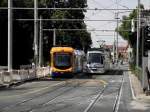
(1, 79)
(15, 76)
(31, 74)
(42, 72)
(7, 78)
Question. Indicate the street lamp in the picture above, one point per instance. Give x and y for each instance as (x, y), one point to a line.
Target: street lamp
(117, 18)
(35, 34)
(10, 25)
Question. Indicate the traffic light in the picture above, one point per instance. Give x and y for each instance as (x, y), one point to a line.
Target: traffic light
(146, 44)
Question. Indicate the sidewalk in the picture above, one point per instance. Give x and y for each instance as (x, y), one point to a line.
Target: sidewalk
(141, 103)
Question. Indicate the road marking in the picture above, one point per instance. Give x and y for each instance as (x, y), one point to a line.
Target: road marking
(104, 82)
(131, 87)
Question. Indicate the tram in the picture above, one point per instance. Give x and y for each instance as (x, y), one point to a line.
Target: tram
(65, 61)
(97, 61)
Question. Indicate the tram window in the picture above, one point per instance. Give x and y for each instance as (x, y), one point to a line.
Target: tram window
(94, 58)
(62, 60)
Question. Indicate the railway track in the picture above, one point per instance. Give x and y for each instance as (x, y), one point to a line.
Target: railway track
(69, 86)
(58, 86)
(101, 94)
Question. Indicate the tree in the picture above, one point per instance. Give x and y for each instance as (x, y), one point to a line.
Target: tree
(23, 31)
(72, 37)
(3, 33)
(128, 35)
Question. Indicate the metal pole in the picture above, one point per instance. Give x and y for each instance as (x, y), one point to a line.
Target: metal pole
(117, 37)
(114, 49)
(54, 37)
(10, 32)
(35, 32)
(138, 34)
(41, 43)
(117, 41)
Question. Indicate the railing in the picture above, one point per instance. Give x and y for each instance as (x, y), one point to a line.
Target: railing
(16, 76)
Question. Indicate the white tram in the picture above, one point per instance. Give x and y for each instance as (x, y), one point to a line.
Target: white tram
(98, 61)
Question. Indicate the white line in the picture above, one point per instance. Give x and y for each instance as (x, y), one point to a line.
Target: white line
(120, 94)
(115, 102)
(131, 87)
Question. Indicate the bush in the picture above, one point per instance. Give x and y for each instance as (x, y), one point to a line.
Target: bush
(136, 71)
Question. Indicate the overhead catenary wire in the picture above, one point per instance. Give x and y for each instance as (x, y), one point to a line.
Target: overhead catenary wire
(103, 30)
(103, 6)
(74, 20)
(43, 8)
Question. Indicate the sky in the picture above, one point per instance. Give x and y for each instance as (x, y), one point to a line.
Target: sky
(108, 15)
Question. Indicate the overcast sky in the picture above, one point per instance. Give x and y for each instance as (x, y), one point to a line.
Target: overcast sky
(108, 15)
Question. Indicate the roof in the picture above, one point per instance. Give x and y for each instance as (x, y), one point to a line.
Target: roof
(96, 49)
(61, 49)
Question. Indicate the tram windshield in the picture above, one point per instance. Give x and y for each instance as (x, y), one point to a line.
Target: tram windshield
(62, 60)
(95, 58)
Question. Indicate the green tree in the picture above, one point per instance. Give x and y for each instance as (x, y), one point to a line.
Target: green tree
(23, 31)
(72, 37)
(125, 31)
(3, 33)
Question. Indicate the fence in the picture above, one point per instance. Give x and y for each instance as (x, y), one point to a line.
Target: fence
(15, 76)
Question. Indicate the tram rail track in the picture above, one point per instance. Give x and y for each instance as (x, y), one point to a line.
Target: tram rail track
(55, 86)
(101, 94)
(72, 84)
(71, 87)
(118, 97)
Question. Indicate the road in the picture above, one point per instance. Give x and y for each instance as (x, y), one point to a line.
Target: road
(109, 92)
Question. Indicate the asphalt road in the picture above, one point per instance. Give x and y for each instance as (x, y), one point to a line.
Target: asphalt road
(109, 92)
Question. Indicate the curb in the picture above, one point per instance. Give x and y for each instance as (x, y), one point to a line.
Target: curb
(136, 88)
(131, 87)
